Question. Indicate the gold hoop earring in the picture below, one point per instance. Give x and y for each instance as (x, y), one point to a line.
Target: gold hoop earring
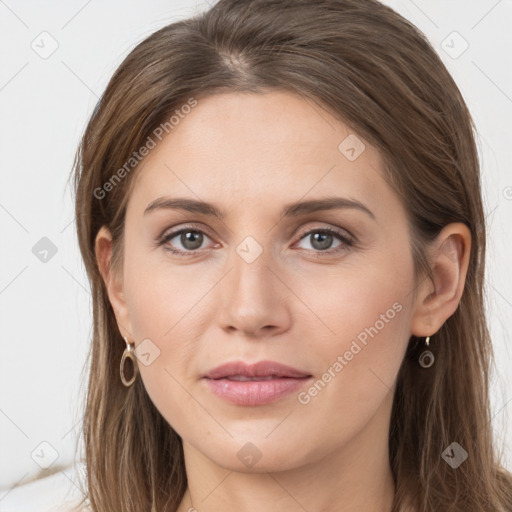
(129, 352)
(426, 359)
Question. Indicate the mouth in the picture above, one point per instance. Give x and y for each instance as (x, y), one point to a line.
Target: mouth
(259, 370)
(254, 384)
(243, 378)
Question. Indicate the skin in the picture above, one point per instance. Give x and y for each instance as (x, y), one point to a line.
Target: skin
(212, 306)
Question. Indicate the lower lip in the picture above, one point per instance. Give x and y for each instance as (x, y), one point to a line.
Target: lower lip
(254, 392)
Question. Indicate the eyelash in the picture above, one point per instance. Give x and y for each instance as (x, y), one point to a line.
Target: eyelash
(347, 242)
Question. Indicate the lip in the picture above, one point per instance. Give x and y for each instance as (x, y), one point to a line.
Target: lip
(269, 382)
(259, 369)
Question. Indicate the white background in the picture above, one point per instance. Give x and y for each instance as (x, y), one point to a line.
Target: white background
(45, 309)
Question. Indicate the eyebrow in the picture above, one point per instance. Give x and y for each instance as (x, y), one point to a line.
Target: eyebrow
(290, 210)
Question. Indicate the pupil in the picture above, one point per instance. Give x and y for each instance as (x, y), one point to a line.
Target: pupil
(322, 240)
(191, 239)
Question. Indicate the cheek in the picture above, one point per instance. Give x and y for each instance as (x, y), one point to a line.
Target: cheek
(369, 311)
(356, 301)
(166, 305)
(161, 295)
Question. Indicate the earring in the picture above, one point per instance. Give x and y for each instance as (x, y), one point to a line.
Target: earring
(426, 358)
(129, 353)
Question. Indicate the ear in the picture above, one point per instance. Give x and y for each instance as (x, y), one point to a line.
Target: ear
(113, 281)
(449, 260)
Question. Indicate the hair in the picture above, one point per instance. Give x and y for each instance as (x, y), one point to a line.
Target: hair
(376, 72)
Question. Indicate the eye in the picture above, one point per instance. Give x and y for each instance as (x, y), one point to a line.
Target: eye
(321, 240)
(191, 240)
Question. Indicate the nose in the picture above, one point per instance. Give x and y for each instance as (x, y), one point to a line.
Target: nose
(253, 300)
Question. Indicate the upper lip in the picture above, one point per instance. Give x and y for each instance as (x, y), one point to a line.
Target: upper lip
(259, 369)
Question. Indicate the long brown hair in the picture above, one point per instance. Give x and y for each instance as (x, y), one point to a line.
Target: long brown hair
(377, 73)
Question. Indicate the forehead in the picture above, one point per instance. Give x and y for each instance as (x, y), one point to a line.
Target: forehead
(260, 149)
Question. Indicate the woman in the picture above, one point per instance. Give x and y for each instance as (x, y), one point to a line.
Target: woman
(278, 205)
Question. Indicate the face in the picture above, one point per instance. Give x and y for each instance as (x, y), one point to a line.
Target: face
(281, 276)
